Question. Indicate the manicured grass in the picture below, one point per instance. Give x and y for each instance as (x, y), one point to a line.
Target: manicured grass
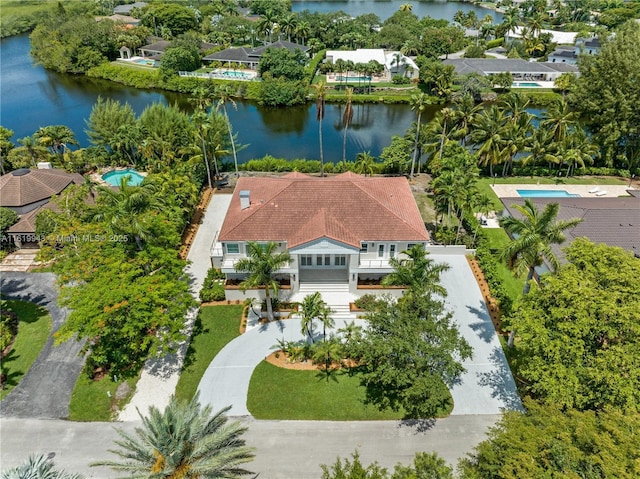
(33, 330)
(426, 207)
(214, 328)
(277, 393)
(498, 239)
(25, 7)
(96, 400)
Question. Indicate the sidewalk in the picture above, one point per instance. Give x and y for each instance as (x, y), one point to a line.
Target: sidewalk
(160, 376)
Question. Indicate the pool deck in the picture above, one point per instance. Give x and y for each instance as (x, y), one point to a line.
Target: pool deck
(509, 191)
(97, 177)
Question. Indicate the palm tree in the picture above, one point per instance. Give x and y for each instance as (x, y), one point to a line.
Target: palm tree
(578, 151)
(347, 116)
(56, 137)
(288, 25)
(223, 93)
(365, 163)
(32, 148)
(37, 467)
(326, 320)
(418, 272)
(464, 113)
(533, 234)
(266, 24)
(321, 91)
(559, 120)
(199, 118)
(328, 352)
(418, 103)
(489, 130)
(184, 441)
(405, 7)
(261, 263)
(302, 30)
(311, 306)
(127, 209)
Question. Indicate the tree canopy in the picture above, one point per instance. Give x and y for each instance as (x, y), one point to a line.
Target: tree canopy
(580, 332)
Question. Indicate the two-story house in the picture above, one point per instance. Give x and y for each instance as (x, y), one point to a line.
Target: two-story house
(341, 229)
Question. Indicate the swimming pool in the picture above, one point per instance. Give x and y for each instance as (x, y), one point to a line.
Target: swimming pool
(113, 177)
(546, 194)
(522, 84)
(234, 74)
(149, 63)
(348, 79)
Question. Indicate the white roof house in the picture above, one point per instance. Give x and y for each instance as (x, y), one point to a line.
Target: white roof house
(386, 58)
(561, 38)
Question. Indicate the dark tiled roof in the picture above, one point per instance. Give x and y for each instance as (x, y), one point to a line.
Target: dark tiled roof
(562, 67)
(23, 187)
(563, 52)
(240, 54)
(291, 46)
(492, 65)
(613, 221)
(160, 46)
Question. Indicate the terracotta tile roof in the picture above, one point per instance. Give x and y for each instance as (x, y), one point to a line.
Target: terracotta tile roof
(613, 221)
(348, 208)
(23, 187)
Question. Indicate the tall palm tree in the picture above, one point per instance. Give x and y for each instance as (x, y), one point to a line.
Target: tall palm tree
(321, 91)
(266, 25)
(559, 120)
(464, 113)
(488, 133)
(224, 95)
(418, 103)
(578, 151)
(533, 234)
(184, 441)
(32, 148)
(347, 116)
(37, 467)
(326, 320)
(199, 118)
(288, 25)
(418, 272)
(302, 30)
(126, 210)
(261, 263)
(56, 137)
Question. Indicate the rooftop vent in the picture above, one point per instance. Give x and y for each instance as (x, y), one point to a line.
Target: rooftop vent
(245, 200)
(21, 172)
(44, 165)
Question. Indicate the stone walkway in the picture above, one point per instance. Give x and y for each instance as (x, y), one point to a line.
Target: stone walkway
(20, 261)
(160, 376)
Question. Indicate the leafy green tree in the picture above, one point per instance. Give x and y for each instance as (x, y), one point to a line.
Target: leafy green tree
(177, 59)
(397, 156)
(261, 264)
(29, 153)
(353, 469)
(547, 442)
(533, 234)
(8, 218)
(176, 18)
(425, 465)
(606, 95)
(565, 82)
(112, 126)
(280, 92)
(437, 42)
(407, 354)
(6, 145)
(280, 62)
(38, 467)
(185, 440)
(580, 332)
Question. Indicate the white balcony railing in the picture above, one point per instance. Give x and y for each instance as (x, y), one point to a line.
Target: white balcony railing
(374, 263)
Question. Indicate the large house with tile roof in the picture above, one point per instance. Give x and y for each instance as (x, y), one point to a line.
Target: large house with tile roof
(341, 229)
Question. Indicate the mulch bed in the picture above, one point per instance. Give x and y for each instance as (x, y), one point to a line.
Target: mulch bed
(492, 303)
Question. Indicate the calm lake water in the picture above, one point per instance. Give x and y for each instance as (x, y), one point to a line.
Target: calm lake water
(385, 8)
(32, 97)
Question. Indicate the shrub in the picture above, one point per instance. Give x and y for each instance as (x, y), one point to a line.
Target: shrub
(8, 325)
(213, 286)
(366, 302)
(400, 80)
(474, 51)
(495, 43)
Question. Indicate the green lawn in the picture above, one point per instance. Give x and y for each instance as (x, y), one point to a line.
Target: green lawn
(26, 7)
(498, 239)
(33, 330)
(96, 400)
(214, 328)
(278, 393)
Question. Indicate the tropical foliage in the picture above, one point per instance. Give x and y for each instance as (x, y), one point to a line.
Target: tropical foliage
(38, 467)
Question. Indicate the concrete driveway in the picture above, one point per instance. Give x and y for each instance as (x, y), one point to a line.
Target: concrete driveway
(45, 391)
(284, 449)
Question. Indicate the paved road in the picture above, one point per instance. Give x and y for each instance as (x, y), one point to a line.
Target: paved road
(45, 390)
(284, 449)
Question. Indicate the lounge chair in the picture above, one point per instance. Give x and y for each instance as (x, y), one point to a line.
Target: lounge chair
(594, 190)
(601, 193)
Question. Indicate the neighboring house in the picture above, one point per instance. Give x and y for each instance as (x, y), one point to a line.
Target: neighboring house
(250, 57)
(341, 229)
(567, 54)
(519, 69)
(394, 62)
(154, 51)
(126, 9)
(561, 38)
(612, 221)
(26, 192)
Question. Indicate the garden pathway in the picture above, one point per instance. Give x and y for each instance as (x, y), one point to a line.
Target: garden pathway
(160, 376)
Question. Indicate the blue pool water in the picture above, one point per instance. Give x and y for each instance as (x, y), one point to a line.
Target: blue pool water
(546, 194)
(352, 79)
(522, 84)
(233, 74)
(113, 177)
(149, 63)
